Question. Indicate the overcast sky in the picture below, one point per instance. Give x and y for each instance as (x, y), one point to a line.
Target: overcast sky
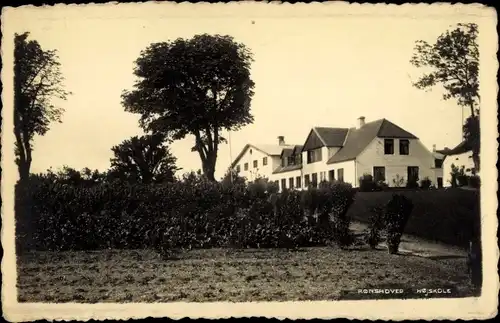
(323, 70)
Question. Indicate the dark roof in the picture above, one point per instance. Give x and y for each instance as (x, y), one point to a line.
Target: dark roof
(287, 152)
(459, 149)
(331, 137)
(389, 129)
(297, 149)
(358, 139)
(288, 168)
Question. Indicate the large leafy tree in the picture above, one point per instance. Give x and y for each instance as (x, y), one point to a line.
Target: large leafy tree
(453, 62)
(145, 159)
(37, 81)
(199, 86)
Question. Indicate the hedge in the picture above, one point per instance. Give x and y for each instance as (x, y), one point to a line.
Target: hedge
(199, 214)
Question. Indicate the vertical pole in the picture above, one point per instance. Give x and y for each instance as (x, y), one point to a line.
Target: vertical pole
(230, 155)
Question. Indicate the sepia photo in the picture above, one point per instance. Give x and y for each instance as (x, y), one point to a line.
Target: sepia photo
(326, 160)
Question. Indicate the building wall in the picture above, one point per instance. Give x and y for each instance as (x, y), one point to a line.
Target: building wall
(316, 167)
(397, 164)
(287, 175)
(464, 159)
(263, 171)
(349, 171)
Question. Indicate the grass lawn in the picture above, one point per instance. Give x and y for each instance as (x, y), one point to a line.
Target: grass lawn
(226, 275)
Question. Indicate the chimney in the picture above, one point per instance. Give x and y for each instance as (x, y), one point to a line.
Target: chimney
(434, 148)
(281, 140)
(361, 122)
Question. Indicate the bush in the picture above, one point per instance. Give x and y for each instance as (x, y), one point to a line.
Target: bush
(412, 183)
(425, 183)
(366, 183)
(398, 211)
(376, 223)
(474, 181)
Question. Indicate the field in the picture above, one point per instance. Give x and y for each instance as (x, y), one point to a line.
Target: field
(222, 275)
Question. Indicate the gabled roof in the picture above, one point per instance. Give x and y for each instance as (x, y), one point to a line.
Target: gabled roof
(270, 150)
(297, 149)
(287, 152)
(461, 148)
(359, 138)
(331, 137)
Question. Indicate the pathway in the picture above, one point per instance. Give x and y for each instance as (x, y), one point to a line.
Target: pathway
(416, 246)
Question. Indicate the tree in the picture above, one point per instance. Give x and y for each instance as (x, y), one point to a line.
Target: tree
(453, 62)
(144, 159)
(37, 80)
(200, 87)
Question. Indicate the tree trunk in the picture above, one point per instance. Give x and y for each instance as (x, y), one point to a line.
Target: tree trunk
(209, 169)
(475, 159)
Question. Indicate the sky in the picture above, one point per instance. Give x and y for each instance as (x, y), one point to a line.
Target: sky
(309, 70)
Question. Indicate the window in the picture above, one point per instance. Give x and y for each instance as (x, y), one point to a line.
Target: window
(283, 184)
(298, 159)
(412, 173)
(245, 167)
(297, 181)
(307, 181)
(340, 175)
(314, 155)
(238, 168)
(389, 146)
(379, 174)
(291, 160)
(322, 176)
(315, 179)
(290, 182)
(254, 164)
(404, 147)
(331, 175)
(438, 163)
(264, 161)
(440, 182)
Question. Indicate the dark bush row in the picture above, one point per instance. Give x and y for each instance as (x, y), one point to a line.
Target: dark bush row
(188, 214)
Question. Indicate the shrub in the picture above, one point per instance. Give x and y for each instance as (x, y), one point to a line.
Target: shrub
(398, 211)
(375, 224)
(474, 181)
(367, 184)
(425, 183)
(398, 181)
(412, 183)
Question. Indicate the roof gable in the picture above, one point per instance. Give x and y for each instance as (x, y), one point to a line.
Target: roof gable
(390, 130)
(332, 137)
(325, 137)
(313, 141)
(358, 139)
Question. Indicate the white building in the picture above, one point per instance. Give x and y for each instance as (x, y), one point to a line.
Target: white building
(459, 156)
(379, 148)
